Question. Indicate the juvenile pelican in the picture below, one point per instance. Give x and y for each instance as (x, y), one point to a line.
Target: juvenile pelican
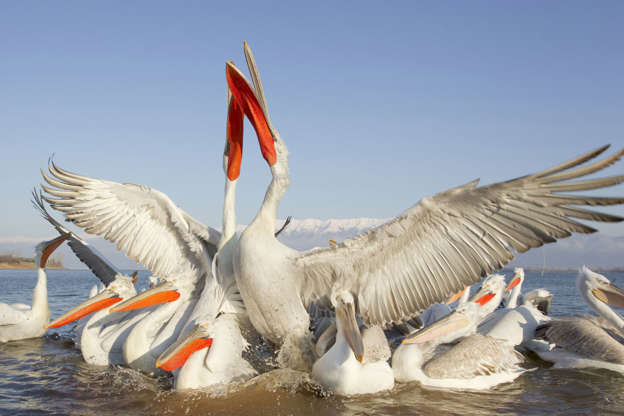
(422, 256)
(20, 321)
(476, 362)
(588, 341)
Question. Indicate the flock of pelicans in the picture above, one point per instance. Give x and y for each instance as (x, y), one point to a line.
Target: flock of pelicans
(335, 311)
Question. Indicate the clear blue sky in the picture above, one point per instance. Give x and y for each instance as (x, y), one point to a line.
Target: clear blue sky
(380, 103)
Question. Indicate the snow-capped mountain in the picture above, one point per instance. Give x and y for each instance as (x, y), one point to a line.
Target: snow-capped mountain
(595, 250)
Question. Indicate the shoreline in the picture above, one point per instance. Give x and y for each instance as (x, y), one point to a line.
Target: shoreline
(27, 266)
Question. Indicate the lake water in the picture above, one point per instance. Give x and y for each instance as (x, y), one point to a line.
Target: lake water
(48, 376)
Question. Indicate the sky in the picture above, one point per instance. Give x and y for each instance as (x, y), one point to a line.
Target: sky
(379, 103)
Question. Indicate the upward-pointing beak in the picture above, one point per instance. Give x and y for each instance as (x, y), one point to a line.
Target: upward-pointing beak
(104, 299)
(50, 247)
(177, 353)
(234, 134)
(164, 292)
(514, 282)
(246, 98)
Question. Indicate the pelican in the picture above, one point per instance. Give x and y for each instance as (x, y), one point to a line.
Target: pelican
(588, 341)
(153, 231)
(476, 362)
(100, 337)
(433, 249)
(20, 321)
(512, 291)
(516, 326)
(210, 352)
(345, 369)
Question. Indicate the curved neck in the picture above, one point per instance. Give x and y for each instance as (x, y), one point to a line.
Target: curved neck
(513, 297)
(602, 309)
(40, 293)
(229, 211)
(273, 196)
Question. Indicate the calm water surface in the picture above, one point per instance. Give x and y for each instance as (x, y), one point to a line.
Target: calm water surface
(48, 376)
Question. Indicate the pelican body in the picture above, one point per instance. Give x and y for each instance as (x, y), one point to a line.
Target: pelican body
(20, 321)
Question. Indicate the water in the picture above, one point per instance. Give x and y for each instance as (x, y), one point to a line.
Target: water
(48, 376)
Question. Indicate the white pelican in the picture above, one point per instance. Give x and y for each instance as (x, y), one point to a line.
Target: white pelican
(516, 326)
(101, 335)
(433, 249)
(588, 341)
(343, 369)
(210, 353)
(153, 231)
(512, 291)
(20, 321)
(476, 362)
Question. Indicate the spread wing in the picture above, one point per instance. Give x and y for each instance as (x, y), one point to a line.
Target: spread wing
(87, 254)
(11, 315)
(143, 222)
(453, 239)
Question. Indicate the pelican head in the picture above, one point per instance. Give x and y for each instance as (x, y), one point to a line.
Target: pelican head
(44, 249)
(177, 353)
(538, 298)
(595, 286)
(346, 323)
(516, 279)
(491, 285)
(122, 287)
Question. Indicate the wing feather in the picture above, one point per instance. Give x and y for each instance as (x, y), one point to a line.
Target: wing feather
(143, 222)
(87, 254)
(454, 238)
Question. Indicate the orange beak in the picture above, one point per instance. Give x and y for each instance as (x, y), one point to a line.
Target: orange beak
(162, 293)
(515, 282)
(96, 303)
(456, 296)
(246, 98)
(485, 299)
(176, 355)
(234, 133)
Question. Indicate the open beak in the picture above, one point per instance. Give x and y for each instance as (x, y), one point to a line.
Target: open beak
(246, 98)
(234, 134)
(104, 299)
(351, 331)
(610, 294)
(50, 247)
(164, 292)
(456, 296)
(450, 323)
(177, 353)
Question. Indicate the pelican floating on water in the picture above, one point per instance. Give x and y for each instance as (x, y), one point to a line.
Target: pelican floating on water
(433, 249)
(587, 341)
(476, 362)
(344, 369)
(21, 321)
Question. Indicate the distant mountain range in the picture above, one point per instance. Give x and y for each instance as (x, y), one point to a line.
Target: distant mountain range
(594, 250)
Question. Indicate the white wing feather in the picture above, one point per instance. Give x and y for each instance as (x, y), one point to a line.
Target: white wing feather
(453, 239)
(143, 222)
